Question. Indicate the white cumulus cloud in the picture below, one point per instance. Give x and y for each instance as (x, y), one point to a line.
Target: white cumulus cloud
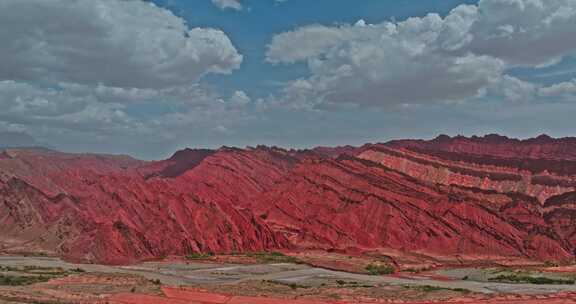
(565, 89)
(117, 43)
(95, 74)
(224, 4)
(427, 59)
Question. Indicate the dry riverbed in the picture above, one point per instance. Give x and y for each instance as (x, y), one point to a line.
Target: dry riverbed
(50, 280)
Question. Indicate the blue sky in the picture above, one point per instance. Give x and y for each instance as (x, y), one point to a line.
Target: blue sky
(146, 79)
(252, 29)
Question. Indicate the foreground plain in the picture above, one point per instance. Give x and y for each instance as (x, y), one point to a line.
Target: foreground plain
(212, 280)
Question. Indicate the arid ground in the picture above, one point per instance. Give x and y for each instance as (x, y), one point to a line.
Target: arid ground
(275, 278)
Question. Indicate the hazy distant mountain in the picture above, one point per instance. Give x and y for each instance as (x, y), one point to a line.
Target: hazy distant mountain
(16, 139)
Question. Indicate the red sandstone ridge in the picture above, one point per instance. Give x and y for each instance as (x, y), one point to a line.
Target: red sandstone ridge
(538, 178)
(450, 196)
(541, 147)
(81, 209)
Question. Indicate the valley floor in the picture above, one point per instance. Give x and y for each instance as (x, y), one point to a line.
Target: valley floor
(235, 281)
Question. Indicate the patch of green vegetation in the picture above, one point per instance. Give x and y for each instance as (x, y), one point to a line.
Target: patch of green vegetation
(295, 286)
(429, 288)
(11, 280)
(38, 270)
(516, 278)
(50, 271)
(32, 254)
(551, 264)
(199, 256)
(41, 268)
(78, 270)
(9, 268)
(507, 271)
(462, 290)
(352, 284)
(497, 270)
(292, 286)
(273, 258)
(225, 274)
(380, 269)
(29, 275)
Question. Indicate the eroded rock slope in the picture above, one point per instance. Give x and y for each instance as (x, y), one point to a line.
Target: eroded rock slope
(489, 195)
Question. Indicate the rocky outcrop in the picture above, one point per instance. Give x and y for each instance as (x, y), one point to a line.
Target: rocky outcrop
(560, 214)
(487, 173)
(541, 147)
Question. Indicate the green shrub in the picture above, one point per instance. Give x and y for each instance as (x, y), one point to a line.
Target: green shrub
(9, 280)
(512, 278)
(429, 288)
(78, 270)
(551, 264)
(199, 256)
(380, 269)
(273, 258)
(292, 286)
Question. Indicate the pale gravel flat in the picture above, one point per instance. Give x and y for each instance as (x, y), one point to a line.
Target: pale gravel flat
(189, 274)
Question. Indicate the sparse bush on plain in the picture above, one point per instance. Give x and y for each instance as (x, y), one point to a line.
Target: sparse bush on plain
(430, 288)
(10, 280)
(199, 256)
(380, 269)
(515, 278)
(273, 258)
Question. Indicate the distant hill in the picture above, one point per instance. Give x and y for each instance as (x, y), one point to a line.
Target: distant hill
(16, 140)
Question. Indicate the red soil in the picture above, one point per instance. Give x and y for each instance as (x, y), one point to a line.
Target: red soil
(181, 296)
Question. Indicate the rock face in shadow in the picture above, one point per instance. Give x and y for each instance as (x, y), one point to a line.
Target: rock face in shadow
(482, 196)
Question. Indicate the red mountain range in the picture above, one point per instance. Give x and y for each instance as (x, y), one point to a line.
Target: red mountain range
(488, 195)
